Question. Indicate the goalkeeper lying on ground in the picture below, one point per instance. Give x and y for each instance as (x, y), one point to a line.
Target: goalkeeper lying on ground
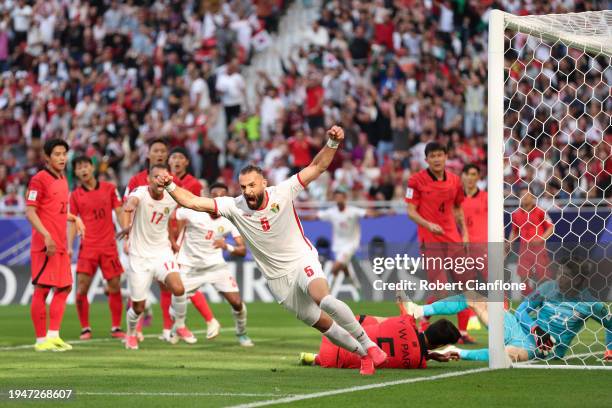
(545, 323)
(405, 346)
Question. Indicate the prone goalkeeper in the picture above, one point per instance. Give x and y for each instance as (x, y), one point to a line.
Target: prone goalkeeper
(545, 323)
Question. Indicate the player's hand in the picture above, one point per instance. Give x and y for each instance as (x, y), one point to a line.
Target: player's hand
(50, 246)
(126, 246)
(163, 180)
(544, 341)
(336, 133)
(124, 233)
(435, 228)
(443, 358)
(80, 227)
(608, 356)
(220, 243)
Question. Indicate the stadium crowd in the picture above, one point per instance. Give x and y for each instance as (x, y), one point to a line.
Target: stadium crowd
(109, 75)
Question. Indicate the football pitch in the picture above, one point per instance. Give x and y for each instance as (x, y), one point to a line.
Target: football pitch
(220, 373)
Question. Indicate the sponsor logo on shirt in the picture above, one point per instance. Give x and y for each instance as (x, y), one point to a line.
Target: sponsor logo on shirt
(274, 207)
(32, 195)
(220, 230)
(409, 193)
(166, 210)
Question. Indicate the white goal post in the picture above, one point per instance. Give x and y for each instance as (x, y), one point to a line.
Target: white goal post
(588, 36)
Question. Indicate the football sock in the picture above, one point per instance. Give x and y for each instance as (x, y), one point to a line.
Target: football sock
(179, 309)
(450, 305)
(82, 304)
(38, 311)
(463, 317)
(474, 355)
(165, 301)
(132, 321)
(200, 303)
(115, 304)
(57, 308)
(342, 338)
(342, 314)
(240, 320)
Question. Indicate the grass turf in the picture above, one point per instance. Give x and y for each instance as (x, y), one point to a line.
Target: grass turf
(220, 373)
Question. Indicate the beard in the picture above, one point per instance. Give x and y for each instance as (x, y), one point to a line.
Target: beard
(258, 201)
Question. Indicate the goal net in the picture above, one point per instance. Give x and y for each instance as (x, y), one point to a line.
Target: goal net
(550, 139)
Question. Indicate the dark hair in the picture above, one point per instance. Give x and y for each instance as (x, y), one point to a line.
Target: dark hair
(159, 166)
(249, 168)
(442, 332)
(52, 144)
(180, 150)
(435, 147)
(81, 159)
(340, 191)
(157, 140)
(218, 184)
(469, 167)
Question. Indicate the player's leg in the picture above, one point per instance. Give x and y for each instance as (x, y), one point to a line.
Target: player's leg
(193, 279)
(223, 282)
(165, 301)
(179, 307)
(38, 313)
(112, 271)
(82, 303)
(62, 277)
(140, 277)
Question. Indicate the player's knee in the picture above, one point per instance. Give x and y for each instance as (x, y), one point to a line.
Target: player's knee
(114, 286)
(138, 307)
(178, 289)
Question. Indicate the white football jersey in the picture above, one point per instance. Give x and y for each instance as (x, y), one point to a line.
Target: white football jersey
(149, 233)
(346, 231)
(201, 230)
(274, 235)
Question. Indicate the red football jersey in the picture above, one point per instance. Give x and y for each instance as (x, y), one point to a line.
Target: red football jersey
(188, 182)
(49, 194)
(397, 336)
(434, 200)
(530, 224)
(95, 207)
(475, 211)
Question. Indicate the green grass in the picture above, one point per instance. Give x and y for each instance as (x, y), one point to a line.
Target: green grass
(221, 366)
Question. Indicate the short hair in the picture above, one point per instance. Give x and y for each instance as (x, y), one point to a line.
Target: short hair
(218, 184)
(469, 167)
(159, 166)
(81, 159)
(180, 150)
(157, 140)
(435, 147)
(340, 191)
(442, 332)
(52, 144)
(249, 168)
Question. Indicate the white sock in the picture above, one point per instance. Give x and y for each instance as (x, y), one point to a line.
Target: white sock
(240, 320)
(342, 338)
(342, 314)
(132, 321)
(52, 334)
(179, 310)
(40, 340)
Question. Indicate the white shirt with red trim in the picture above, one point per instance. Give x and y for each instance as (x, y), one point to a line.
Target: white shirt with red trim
(149, 233)
(345, 226)
(274, 234)
(201, 231)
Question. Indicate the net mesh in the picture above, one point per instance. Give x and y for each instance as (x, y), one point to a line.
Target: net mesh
(557, 174)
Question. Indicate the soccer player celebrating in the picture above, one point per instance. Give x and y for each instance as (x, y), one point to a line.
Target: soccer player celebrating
(266, 218)
(179, 162)
(533, 227)
(346, 232)
(434, 198)
(150, 253)
(47, 211)
(408, 348)
(201, 260)
(94, 201)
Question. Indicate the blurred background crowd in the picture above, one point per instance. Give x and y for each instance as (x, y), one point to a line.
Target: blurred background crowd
(109, 75)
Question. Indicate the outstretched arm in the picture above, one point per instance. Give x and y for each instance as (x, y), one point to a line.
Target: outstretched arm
(185, 197)
(324, 158)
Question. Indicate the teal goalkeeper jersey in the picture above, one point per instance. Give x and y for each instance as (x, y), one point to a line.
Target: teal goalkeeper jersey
(563, 318)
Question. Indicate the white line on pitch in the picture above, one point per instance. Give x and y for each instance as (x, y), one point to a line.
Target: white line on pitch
(358, 388)
(179, 394)
(101, 340)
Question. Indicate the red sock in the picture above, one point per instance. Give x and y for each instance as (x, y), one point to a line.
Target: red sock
(200, 303)
(462, 320)
(56, 309)
(115, 304)
(38, 311)
(165, 301)
(82, 304)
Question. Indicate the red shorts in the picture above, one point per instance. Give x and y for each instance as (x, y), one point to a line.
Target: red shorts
(105, 258)
(51, 270)
(438, 254)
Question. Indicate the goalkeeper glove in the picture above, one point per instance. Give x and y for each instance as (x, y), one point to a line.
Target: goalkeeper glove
(608, 355)
(544, 341)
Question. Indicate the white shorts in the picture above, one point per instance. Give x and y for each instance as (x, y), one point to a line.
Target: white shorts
(219, 276)
(344, 254)
(291, 290)
(142, 271)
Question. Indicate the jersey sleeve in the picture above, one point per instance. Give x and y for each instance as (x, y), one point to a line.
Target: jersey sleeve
(225, 206)
(74, 206)
(413, 195)
(359, 212)
(114, 197)
(181, 214)
(36, 191)
(324, 215)
(129, 189)
(459, 194)
(233, 230)
(139, 193)
(293, 186)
